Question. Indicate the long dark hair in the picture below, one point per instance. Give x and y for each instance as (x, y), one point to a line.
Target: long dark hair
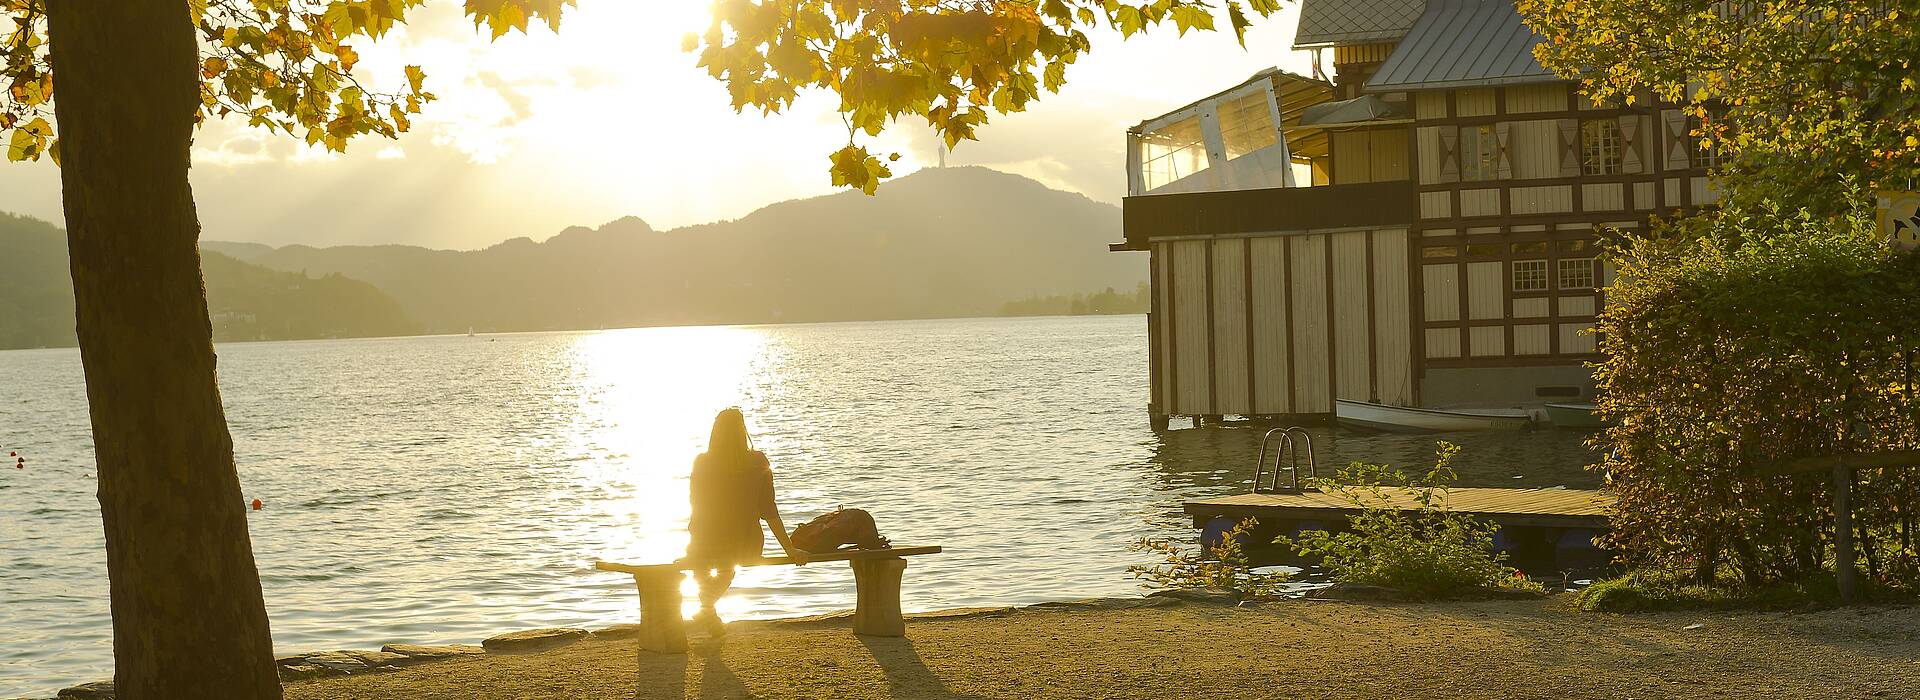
(729, 434)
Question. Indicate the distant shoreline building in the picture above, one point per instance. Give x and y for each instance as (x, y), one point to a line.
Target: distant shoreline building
(1417, 231)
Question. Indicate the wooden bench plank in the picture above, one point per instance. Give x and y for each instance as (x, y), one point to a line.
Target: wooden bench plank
(876, 574)
(842, 555)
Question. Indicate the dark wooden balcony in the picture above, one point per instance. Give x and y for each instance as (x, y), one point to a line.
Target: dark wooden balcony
(1373, 204)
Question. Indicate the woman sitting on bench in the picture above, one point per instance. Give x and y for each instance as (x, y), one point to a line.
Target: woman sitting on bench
(731, 491)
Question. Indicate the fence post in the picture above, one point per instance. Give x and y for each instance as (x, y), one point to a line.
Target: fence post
(1843, 532)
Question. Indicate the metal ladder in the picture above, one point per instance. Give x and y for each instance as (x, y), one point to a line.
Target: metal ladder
(1289, 450)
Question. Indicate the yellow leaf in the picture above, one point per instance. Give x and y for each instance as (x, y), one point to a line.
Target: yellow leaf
(347, 56)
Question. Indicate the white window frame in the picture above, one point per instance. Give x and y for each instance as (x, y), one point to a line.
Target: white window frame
(1529, 272)
(1560, 272)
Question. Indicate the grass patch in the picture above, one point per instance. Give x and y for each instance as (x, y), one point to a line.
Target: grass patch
(1651, 591)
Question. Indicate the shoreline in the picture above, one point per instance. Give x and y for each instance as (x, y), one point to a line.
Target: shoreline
(1187, 643)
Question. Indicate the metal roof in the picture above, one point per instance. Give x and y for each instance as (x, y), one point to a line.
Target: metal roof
(1463, 43)
(1324, 22)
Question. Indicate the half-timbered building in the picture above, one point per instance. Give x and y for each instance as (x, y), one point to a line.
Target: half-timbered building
(1415, 229)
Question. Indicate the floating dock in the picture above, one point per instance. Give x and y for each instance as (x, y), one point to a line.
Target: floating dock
(1511, 508)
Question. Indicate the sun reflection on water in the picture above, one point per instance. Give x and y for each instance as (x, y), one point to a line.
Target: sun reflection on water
(642, 427)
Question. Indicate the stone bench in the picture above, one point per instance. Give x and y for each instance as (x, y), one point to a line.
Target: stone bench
(876, 577)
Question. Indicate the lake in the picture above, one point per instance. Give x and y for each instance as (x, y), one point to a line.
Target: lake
(444, 489)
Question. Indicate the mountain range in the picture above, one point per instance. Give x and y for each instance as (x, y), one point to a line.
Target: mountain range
(944, 242)
(245, 301)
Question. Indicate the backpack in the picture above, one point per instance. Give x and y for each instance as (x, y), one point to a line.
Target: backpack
(846, 526)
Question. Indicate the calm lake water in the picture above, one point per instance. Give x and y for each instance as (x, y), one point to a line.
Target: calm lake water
(444, 489)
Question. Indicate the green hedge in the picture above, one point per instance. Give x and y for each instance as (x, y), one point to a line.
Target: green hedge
(1733, 340)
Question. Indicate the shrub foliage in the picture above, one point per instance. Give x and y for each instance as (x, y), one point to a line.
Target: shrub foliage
(1741, 338)
(1426, 552)
(1222, 566)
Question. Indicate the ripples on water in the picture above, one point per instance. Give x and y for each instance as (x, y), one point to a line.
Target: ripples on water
(444, 489)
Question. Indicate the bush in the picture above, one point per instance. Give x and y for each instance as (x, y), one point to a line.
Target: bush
(1426, 552)
(1743, 338)
(1221, 567)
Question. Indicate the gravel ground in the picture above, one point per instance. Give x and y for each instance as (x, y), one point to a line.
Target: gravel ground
(1168, 649)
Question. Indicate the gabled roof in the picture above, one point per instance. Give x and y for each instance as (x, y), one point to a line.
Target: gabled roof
(1324, 22)
(1463, 43)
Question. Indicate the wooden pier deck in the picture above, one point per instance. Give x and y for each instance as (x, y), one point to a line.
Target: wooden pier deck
(1568, 508)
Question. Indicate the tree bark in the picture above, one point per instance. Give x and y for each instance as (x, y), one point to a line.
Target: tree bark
(188, 617)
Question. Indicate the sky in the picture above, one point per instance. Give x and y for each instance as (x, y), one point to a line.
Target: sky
(609, 118)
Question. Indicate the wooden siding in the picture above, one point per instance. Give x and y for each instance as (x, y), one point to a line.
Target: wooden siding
(1393, 320)
(1352, 336)
(1551, 97)
(1548, 199)
(1576, 306)
(1603, 196)
(1189, 266)
(1162, 328)
(1443, 342)
(1371, 155)
(1532, 307)
(1427, 142)
(1442, 287)
(1430, 104)
(1480, 202)
(1229, 356)
(1572, 341)
(1643, 196)
(1672, 187)
(1486, 291)
(1532, 339)
(1478, 102)
(1272, 382)
(1307, 294)
(1488, 341)
(1535, 150)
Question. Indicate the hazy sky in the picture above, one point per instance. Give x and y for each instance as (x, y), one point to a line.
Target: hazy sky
(609, 118)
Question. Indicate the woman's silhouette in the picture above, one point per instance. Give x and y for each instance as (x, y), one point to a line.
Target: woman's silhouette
(732, 491)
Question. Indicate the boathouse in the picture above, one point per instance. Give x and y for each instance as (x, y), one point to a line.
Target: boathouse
(1415, 229)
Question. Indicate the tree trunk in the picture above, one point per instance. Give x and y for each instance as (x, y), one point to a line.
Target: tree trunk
(188, 618)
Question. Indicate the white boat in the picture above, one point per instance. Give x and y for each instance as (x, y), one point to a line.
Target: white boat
(1404, 419)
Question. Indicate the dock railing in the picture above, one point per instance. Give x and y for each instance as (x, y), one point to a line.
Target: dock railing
(1289, 451)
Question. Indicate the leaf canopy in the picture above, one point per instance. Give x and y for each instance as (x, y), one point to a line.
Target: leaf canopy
(1813, 102)
(284, 65)
(948, 62)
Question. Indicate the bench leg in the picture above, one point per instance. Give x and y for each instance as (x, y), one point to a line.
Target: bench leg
(876, 611)
(661, 628)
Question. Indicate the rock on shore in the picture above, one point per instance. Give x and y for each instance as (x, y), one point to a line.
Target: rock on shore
(529, 641)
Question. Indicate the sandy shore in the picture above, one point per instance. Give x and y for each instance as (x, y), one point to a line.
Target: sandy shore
(1169, 649)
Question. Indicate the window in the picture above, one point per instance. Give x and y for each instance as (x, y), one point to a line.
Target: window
(1484, 251)
(1600, 147)
(1530, 248)
(1439, 251)
(1575, 273)
(1172, 152)
(1479, 153)
(1699, 130)
(1246, 124)
(1529, 275)
(1575, 246)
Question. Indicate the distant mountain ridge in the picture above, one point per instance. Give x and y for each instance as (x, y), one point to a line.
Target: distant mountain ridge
(245, 301)
(938, 243)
